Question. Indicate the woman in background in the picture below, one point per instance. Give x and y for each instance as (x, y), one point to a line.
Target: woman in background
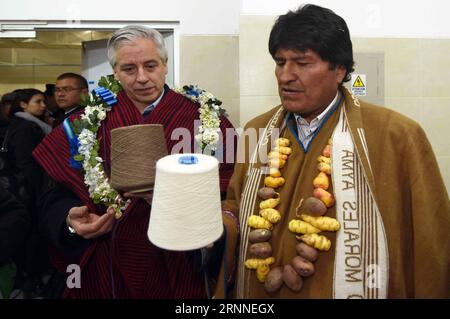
(26, 130)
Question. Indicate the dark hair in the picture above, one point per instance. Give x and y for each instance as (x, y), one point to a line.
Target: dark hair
(318, 29)
(49, 89)
(82, 82)
(22, 95)
(8, 98)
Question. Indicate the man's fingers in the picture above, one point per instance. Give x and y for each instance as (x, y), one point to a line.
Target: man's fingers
(78, 212)
(95, 224)
(106, 228)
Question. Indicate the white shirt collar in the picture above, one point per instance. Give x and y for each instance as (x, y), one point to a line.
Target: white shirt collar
(314, 124)
(306, 131)
(68, 111)
(153, 105)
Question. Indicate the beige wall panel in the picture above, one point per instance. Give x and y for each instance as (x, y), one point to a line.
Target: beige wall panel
(368, 44)
(435, 123)
(444, 164)
(435, 68)
(6, 88)
(212, 62)
(256, 65)
(231, 104)
(402, 58)
(252, 106)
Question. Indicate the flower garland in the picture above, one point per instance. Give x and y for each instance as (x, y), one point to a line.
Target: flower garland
(82, 135)
(312, 222)
(210, 112)
(84, 145)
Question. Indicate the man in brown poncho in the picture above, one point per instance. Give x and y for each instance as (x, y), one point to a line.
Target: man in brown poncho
(378, 178)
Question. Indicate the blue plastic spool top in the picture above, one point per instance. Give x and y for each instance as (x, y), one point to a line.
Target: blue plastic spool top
(188, 160)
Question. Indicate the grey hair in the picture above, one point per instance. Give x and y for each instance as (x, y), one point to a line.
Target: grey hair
(131, 33)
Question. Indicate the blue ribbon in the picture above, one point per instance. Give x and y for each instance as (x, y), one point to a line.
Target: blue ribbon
(73, 143)
(193, 91)
(106, 95)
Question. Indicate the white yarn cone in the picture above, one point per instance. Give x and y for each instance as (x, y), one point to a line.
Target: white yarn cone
(186, 212)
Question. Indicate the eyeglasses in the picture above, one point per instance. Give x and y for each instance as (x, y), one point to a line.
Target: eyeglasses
(65, 89)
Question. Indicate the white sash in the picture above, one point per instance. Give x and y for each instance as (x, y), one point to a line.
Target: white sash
(361, 261)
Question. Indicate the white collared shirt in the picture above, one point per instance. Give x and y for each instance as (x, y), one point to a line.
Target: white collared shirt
(152, 106)
(71, 110)
(306, 130)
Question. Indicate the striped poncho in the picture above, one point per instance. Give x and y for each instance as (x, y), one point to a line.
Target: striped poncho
(123, 263)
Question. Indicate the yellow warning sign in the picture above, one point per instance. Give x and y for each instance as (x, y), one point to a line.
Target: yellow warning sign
(358, 83)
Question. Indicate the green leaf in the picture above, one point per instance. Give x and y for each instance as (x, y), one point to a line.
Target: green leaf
(97, 199)
(109, 82)
(93, 118)
(103, 82)
(116, 87)
(78, 126)
(78, 157)
(85, 100)
(112, 196)
(95, 148)
(92, 161)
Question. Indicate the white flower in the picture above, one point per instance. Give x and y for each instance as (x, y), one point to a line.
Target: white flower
(208, 95)
(199, 138)
(101, 115)
(209, 129)
(94, 176)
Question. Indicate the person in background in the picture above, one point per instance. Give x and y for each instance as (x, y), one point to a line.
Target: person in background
(7, 178)
(53, 111)
(26, 131)
(14, 229)
(10, 176)
(69, 89)
(116, 258)
(5, 105)
(361, 207)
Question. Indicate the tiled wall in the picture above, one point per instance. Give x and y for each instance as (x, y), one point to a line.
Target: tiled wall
(211, 62)
(256, 68)
(417, 84)
(417, 80)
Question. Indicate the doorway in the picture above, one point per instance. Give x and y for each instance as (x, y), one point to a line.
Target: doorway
(59, 47)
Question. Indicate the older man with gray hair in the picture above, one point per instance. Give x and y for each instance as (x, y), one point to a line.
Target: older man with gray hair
(115, 256)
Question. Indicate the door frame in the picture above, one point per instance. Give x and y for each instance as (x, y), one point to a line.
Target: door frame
(26, 28)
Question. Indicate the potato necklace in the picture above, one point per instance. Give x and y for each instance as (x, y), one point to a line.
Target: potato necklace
(310, 223)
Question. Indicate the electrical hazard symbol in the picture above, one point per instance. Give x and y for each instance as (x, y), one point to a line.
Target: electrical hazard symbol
(359, 87)
(358, 82)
